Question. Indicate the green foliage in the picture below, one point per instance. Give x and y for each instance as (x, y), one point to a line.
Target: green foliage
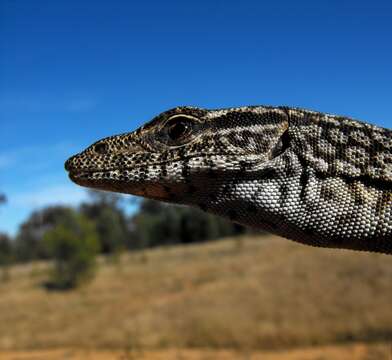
(161, 224)
(6, 256)
(28, 242)
(5, 249)
(73, 245)
(109, 219)
(153, 224)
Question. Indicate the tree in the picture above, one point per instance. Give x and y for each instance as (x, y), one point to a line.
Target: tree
(105, 198)
(73, 245)
(28, 241)
(5, 256)
(110, 221)
(159, 224)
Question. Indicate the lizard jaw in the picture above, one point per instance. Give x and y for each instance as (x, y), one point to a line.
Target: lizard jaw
(103, 180)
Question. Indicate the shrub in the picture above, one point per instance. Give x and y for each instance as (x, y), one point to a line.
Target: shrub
(73, 245)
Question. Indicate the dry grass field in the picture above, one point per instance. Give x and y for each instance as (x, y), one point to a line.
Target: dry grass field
(245, 298)
(341, 352)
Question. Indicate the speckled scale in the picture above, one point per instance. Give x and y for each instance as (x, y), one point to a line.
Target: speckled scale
(340, 146)
(315, 178)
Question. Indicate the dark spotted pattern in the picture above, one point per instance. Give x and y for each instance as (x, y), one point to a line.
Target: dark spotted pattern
(318, 179)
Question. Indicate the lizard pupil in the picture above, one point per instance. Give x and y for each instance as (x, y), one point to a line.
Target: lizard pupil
(177, 130)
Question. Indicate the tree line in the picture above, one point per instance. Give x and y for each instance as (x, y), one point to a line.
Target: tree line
(73, 236)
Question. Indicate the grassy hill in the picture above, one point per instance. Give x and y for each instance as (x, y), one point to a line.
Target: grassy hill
(245, 294)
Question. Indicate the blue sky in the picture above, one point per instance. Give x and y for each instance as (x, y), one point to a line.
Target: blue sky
(73, 71)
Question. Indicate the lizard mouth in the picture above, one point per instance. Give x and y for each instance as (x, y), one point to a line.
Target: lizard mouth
(104, 180)
(89, 178)
(115, 181)
(79, 178)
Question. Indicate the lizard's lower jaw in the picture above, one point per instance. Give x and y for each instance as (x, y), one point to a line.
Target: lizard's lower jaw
(152, 190)
(96, 180)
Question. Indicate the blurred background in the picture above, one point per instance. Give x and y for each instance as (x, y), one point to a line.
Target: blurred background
(88, 274)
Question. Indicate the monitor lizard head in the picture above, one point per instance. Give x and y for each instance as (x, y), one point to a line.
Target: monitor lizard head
(183, 155)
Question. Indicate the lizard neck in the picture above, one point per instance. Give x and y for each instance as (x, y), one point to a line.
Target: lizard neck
(301, 205)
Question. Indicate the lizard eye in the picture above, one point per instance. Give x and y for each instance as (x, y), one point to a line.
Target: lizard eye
(101, 148)
(178, 128)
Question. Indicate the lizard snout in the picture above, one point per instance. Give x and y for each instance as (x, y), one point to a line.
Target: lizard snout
(73, 163)
(68, 164)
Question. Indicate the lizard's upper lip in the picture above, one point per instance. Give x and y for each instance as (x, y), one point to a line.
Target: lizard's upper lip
(75, 171)
(80, 177)
(74, 175)
(82, 173)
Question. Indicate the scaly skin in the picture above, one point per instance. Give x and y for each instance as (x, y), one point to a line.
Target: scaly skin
(315, 178)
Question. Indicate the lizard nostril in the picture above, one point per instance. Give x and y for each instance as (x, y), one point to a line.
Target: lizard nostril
(101, 148)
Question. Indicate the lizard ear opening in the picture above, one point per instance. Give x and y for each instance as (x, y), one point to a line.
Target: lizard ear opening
(282, 145)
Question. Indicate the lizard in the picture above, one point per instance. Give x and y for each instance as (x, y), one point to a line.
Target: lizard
(315, 178)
